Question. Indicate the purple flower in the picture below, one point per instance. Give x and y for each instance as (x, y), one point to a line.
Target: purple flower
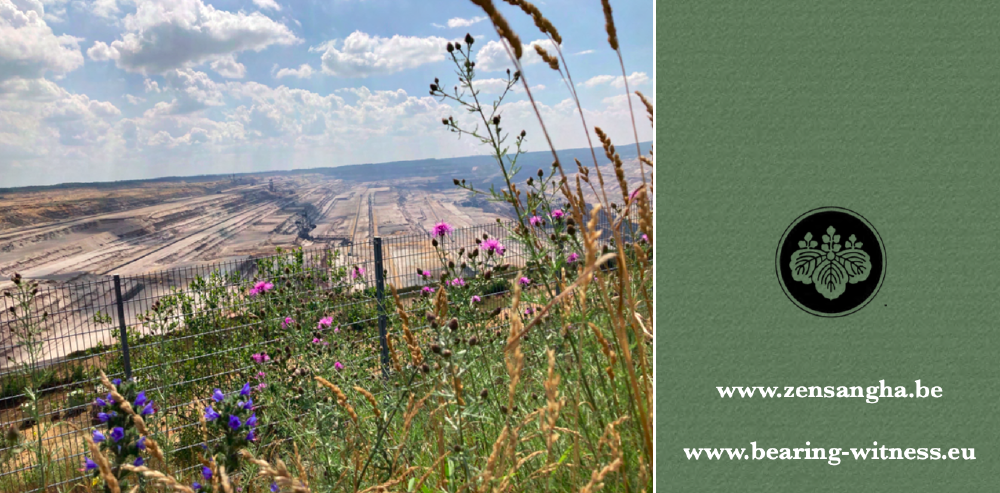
(261, 375)
(338, 366)
(288, 321)
(442, 228)
(493, 245)
(252, 420)
(89, 465)
(262, 357)
(196, 485)
(210, 414)
(558, 214)
(248, 405)
(476, 299)
(426, 273)
(573, 257)
(525, 281)
(535, 220)
(117, 434)
(138, 462)
(274, 488)
(104, 417)
(147, 410)
(140, 399)
(117, 382)
(141, 444)
(250, 436)
(206, 473)
(458, 282)
(234, 422)
(324, 323)
(644, 239)
(358, 271)
(245, 391)
(100, 402)
(98, 436)
(427, 290)
(529, 311)
(218, 396)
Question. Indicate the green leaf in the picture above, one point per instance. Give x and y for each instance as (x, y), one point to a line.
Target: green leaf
(803, 264)
(857, 264)
(830, 278)
(565, 455)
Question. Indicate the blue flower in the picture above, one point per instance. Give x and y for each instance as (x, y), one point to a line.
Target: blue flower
(252, 420)
(234, 422)
(117, 382)
(104, 417)
(146, 411)
(98, 436)
(89, 465)
(140, 400)
(141, 444)
(210, 414)
(250, 436)
(274, 488)
(249, 405)
(117, 434)
(218, 396)
(100, 402)
(196, 485)
(206, 473)
(138, 462)
(245, 391)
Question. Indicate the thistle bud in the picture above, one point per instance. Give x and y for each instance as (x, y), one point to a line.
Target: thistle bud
(435, 348)
(434, 242)
(451, 264)
(431, 317)
(483, 394)
(455, 181)
(453, 324)
(446, 353)
(469, 39)
(474, 341)
(496, 120)
(523, 133)
(503, 409)
(571, 230)
(434, 87)
(496, 311)
(424, 368)
(457, 448)
(444, 121)
(450, 47)
(540, 173)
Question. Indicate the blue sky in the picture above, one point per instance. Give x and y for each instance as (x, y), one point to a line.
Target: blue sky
(126, 89)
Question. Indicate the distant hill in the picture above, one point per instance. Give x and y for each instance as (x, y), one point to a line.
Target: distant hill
(460, 167)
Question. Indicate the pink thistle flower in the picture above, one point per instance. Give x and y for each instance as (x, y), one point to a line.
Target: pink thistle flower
(493, 245)
(426, 273)
(261, 357)
(573, 257)
(261, 375)
(529, 311)
(262, 386)
(338, 366)
(525, 281)
(558, 214)
(535, 220)
(427, 290)
(324, 323)
(358, 271)
(442, 228)
(336, 330)
(287, 322)
(458, 282)
(476, 299)
(644, 239)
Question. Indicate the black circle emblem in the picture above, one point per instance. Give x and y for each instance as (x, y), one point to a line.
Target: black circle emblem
(830, 262)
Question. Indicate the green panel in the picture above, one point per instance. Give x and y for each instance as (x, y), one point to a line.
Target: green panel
(766, 110)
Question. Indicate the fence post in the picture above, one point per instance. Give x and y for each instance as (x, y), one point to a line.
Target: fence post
(122, 329)
(383, 319)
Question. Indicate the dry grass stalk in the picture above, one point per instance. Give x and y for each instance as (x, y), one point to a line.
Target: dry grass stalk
(609, 25)
(277, 473)
(647, 104)
(438, 462)
(371, 400)
(224, 480)
(441, 304)
(501, 25)
(597, 476)
(163, 479)
(103, 466)
(513, 356)
(140, 424)
(416, 356)
(303, 476)
(384, 487)
(457, 385)
(606, 349)
(541, 22)
(549, 59)
(506, 483)
(496, 456)
(341, 397)
(553, 405)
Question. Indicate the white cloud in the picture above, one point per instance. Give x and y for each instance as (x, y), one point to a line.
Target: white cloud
(497, 86)
(101, 52)
(303, 72)
(194, 91)
(493, 57)
(635, 79)
(151, 85)
(28, 47)
(105, 9)
(584, 52)
(134, 99)
(267, 4)
(229, 68)
(460, 22)
(163, 35)
(363, 55)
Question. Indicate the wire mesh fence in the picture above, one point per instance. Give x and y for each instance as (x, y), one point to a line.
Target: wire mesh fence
(181, 331)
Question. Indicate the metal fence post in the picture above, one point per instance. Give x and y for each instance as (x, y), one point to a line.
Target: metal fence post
(122, 330)
(383, 319)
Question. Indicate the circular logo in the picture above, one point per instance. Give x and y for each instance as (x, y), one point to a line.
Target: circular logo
(830, 262)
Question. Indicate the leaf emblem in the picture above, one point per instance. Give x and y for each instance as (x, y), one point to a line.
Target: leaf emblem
(832, 266)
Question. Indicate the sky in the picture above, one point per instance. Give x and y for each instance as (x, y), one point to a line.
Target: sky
(105, 90)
